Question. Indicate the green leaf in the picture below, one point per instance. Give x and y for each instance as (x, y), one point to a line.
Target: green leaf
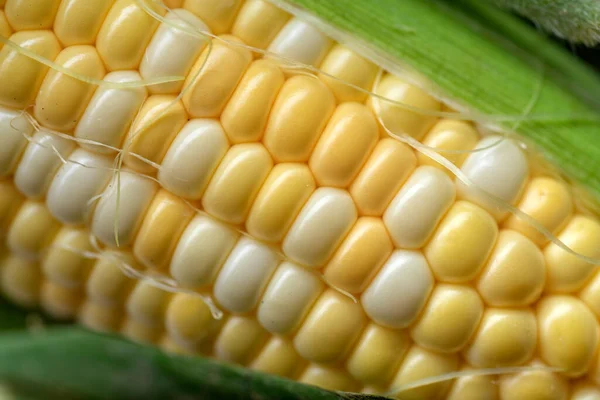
(72, 363)
(461, 47)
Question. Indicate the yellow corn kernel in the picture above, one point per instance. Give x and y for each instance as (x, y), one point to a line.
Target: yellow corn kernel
(237, 181)
(62, 99)
(449, 319)
(201, 251)
(568, 334)
(534, 385)
(31, 14)
(400, 120)
(278, 357)
(585, 390)
(360, 256)
(388, 167)
(193, 158)
(40, 162)
(147, 304)
(567, 273)
(140, 332)
(163, 224)
(66, 262)
(349, 68)
(377, 354)
(100, 317)
(20, 76)
(453, 135)
(107, 284)
(515, 273)
(329, 378)
(297, 119)
(133, 195)
(472, 387)
(344, 146)
(214, 77)
(245, 115)
(154, 129)
(218, 15)
(286, 190)
(14, 128)
(320, 227)
(78, 21)
(125, 33)
(239, 340)
(330, 329)
(10, 202)
(20, 280)
(288, 298)
(419, 364)
(549, 202)
(258, 22)
(32, 230)
(188, 320)
(461, 243)
(5, 29)
(60, 302)
(504, 337)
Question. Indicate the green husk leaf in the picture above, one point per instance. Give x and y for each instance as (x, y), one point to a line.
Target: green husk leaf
(461, 47)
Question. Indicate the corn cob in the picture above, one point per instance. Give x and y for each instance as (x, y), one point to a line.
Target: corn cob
(279, 196)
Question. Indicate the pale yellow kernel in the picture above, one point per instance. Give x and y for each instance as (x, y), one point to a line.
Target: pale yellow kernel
(330, 329)
(62, 99)
(505, 337)
(514, 274)
(100, 317)
(10, 202)
(448, 134)
(258, 22)
(214, 77)
(350, 136)
(449, 319)
(534, 385)
(286, 190)
(125, 33)
(388, 167)
(297, 119)
(329, 378)
(566, 272)
(78, 21)
(419, 364)
(218, 14)
(31, 14)
(20, 76)
(239, 340)
(5, 29)
(245, 116)
(236, 183)
(154, 129)
(66, 262)
(278, 357)
(20, 280)
(60, 302)
(32, 230)
(163, 224)
(377, 354)
(360, 256)
(568, 334)
(461, 243)
(546, 200)
(400, 120)
(349, 68)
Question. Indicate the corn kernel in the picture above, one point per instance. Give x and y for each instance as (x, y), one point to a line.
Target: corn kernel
(258, 22)
(79, 21)
(278, 357)
(62, 264)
